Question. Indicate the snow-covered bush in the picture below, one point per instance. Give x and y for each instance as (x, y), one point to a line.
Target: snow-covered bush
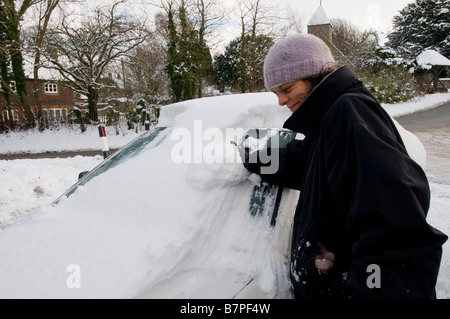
(391, 84)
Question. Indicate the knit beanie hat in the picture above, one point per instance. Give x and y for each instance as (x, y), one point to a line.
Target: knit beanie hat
(295, 57)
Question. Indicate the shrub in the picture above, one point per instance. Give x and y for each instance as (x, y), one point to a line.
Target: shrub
(391, 84)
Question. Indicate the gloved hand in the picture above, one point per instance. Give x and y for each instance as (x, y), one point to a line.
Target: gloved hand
(260, 149)
(250, 161)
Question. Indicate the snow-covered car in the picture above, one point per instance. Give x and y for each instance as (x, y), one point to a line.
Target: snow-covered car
(173, 214)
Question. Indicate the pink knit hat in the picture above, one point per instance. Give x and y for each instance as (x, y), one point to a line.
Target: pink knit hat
(295, 57)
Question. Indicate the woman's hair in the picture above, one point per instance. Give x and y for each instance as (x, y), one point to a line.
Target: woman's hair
(326, 70)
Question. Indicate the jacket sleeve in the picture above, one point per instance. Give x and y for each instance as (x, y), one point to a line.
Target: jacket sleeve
(384, 196)
(287, 164)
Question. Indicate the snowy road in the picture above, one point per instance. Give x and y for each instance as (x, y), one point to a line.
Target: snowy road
(9, 157)
(432, 127)
(435, 118)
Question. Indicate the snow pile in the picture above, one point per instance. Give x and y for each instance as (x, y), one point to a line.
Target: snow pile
(28, 184)
(418, 104)
(61, 140)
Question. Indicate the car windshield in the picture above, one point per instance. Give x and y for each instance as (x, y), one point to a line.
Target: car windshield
(124, 154)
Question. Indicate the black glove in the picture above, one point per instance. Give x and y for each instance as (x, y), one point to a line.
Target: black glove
(267, 154)
(250, 162)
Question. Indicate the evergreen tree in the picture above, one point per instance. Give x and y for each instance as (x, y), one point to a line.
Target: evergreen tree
(258, 47)
(236, 67)
(422, 25)
(226, 66)
(11, 18)
(4, 76)
(173, 57)
(188, 56)
(242, 61)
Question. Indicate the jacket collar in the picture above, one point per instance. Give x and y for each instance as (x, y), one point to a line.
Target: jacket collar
(310, 114)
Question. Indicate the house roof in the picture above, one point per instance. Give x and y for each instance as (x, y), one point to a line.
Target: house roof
(432, 58)
(319, 18)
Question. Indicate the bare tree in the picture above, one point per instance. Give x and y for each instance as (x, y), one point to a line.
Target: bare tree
(257, 18)
(209, 16)
(44, 12)
(294, 22)
(81, 52)
(346, 38)
(351, 46)
(261, 17)
(146, 71)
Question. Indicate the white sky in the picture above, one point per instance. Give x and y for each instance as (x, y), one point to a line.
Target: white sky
(366, 14)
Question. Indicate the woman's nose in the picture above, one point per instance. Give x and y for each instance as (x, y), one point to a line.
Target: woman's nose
(282, 99)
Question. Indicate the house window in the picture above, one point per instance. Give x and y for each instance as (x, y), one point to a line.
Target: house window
(15, 115)
(51, 88)
(12, 86)
(55, 114)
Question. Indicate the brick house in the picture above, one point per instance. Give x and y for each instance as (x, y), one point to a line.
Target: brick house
(57, 101)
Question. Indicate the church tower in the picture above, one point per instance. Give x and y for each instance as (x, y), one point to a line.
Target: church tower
(320, 25)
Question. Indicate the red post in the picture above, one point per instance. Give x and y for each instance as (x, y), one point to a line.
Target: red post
(104, 140)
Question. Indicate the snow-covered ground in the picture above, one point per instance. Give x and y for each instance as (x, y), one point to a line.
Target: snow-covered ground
(28, 185)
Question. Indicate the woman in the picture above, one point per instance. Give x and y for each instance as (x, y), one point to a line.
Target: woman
(360, 227)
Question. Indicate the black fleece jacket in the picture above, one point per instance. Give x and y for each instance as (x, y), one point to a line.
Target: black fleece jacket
(362, 197)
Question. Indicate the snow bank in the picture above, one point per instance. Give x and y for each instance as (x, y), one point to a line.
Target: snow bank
(418, 104)
(63, 139)
(27, 184)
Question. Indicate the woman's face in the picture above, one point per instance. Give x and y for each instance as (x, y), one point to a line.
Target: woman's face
(293, 94)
